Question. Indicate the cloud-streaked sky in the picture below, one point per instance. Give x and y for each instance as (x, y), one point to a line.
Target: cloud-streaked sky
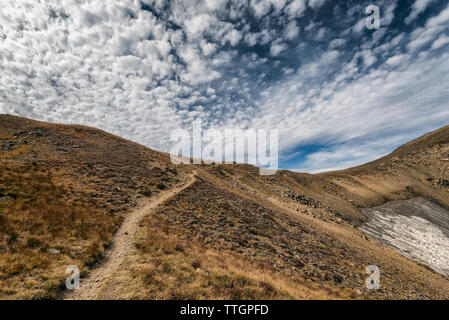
(340, 94)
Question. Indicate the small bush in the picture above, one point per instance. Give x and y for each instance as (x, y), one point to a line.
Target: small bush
(196, 264)
(33, 242)
(3, 223)
(95, 251)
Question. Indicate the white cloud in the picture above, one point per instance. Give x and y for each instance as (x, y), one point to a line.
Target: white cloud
(90, 63)
(368, 58)
(353, 153)
(208, 48)
(388, 14)
(336, 43)
(434, 26)
(316, 3)
(198, 24)
(440, 42)
(277, 48)
(291, 31)
(359, 26)
(296, 8)
(440, 19)
(233, 37)
(366, 108)
(418, 7)
(251, 38)
(396, 60)
(215, 4)
(140, 75)
(260, 7)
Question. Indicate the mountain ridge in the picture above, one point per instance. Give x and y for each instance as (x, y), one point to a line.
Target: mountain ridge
(51, 174)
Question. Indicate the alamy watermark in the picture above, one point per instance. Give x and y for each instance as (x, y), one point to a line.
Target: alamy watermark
(373, 281)
(73, 281)
(251, 146)
(373, 20)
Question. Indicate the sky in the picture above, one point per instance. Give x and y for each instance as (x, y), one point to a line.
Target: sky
(339, 93)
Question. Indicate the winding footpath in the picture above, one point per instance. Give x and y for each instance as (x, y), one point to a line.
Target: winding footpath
(121, 246)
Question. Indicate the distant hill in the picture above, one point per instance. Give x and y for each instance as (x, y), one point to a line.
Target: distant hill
(65, 190)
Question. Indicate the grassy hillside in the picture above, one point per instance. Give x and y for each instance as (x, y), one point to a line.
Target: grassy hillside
(301, 249)
(64, 190)
(63, 193)
(419, 168)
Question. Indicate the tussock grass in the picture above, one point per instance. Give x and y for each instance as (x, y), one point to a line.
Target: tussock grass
(63, 193)
(41, 232)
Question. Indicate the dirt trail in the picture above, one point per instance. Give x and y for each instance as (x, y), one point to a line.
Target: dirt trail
(121, 246)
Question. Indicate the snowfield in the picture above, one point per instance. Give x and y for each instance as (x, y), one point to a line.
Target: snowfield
(417, 228)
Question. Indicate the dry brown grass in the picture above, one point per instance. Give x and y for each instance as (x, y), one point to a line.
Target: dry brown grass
(63, 193)
(165, 266)
(272, 233)
(238, 235)
(36, 219)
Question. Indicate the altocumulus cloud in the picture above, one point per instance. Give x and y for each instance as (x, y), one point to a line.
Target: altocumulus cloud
(338, 93)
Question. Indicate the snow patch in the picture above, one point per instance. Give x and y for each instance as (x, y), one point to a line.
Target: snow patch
(417, 228)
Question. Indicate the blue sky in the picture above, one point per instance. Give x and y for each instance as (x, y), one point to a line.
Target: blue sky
(339, 94)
